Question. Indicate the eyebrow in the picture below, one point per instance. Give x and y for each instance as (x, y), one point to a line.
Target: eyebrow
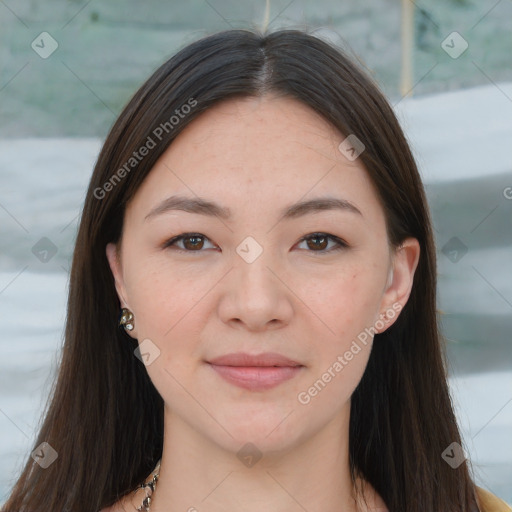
(203, 207)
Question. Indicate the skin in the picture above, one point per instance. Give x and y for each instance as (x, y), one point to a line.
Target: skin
(298, 298)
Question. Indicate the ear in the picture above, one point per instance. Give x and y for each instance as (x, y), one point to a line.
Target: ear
(114, 261)
(399, 285)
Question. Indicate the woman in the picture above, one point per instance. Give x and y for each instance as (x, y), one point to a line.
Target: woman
(257, 222)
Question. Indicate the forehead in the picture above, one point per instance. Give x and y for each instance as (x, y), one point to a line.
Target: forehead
(276, 132)
(258, 152)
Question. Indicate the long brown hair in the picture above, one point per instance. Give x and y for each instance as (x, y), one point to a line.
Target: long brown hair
(105, 417)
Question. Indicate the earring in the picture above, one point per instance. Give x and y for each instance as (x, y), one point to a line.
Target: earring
(126, 319)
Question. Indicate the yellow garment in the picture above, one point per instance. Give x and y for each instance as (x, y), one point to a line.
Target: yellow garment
(491, 503)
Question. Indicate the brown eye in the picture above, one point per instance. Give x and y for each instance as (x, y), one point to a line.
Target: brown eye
(191, 242)
(318, 242)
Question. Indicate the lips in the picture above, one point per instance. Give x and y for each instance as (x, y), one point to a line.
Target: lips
(255, 372)
(243, 359)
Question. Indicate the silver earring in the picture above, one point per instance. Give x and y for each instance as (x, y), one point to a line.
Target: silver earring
(126, 319)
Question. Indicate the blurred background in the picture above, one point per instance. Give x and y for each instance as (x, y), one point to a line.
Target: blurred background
(67, 68)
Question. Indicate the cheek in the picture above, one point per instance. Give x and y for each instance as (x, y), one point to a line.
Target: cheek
(347, 302)
(347, 306)
(163, 302)
(167, 312)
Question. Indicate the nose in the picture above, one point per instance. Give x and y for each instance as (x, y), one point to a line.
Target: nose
(255, 296)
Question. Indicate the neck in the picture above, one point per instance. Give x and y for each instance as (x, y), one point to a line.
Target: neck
(197, 474)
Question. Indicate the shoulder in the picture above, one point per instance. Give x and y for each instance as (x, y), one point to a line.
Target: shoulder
(491, 503)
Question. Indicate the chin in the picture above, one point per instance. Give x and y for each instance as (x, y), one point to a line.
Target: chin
(268, 429)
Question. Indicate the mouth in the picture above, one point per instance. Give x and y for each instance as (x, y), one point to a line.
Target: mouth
(255, 372)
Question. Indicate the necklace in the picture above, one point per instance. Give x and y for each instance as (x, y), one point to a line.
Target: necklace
(149, 489)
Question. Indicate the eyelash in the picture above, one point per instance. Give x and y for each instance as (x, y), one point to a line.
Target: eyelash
(341, 243)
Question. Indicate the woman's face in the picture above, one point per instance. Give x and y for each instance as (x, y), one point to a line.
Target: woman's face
(256, 279)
